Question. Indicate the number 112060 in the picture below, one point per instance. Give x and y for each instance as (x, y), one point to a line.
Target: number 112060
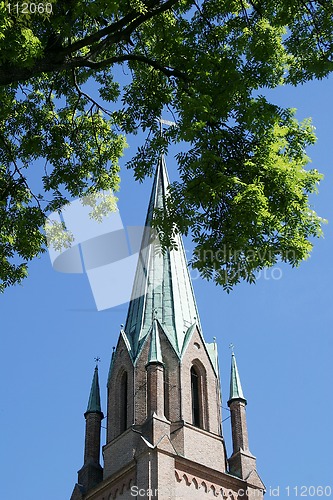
(29, 8)
(309, 491)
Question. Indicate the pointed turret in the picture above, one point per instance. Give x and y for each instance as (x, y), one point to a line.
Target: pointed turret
(241, 462)
(237, 404)
(162, 286)
(155, 353)
(236, 391)
(155, 374)
(92, 473)
(94, 402)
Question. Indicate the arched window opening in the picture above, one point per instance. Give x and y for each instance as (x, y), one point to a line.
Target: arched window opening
(123, 402)
(195, 390)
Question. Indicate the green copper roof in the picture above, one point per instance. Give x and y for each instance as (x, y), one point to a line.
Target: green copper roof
(162, 286)
(236, 391)
(212, 351)
(94, 403)
(111, 364)
(155, 353)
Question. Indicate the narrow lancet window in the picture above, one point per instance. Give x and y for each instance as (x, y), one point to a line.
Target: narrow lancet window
(166, 395)
(123, 403)
(195, 389)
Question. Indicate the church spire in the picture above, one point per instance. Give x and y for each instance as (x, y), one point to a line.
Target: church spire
(162, 286)
(164, 405)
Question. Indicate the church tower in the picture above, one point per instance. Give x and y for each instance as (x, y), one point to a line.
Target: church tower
(164, 436)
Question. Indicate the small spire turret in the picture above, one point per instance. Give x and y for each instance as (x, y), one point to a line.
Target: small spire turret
(236, 391)
(94, 402)
(92, 473)
(241, 462)
(155, 373)
(155, 352)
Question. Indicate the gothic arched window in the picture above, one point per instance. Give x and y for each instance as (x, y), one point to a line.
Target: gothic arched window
(196, 398)
(123, 402)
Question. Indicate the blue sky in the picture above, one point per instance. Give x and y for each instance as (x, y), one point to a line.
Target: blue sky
(281, 328)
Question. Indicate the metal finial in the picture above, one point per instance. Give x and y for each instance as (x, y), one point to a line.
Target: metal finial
(231, 346)
(164, 122)
(97, 360)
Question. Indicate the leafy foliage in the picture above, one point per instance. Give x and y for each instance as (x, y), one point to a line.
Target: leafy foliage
(244, 183)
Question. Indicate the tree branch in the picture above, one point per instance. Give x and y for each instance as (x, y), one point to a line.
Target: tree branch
(114, 34)
(169, 72)
(18, 171)
(87, 96)
(117, 31)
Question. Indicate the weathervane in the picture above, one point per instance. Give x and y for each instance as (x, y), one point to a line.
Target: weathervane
(97, 360)
(162, 122)
(231, 346)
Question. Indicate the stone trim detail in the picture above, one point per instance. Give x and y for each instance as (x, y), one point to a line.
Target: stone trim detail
(121, 486)
(207, 486)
